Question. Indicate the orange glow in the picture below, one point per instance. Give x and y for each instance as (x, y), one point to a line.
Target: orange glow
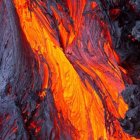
(93, 5)
(77, 99)
(123, 70)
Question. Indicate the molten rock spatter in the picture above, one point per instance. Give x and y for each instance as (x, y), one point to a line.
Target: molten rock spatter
(131, 122)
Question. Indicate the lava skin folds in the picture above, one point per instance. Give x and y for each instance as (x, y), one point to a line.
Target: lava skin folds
(59, 73)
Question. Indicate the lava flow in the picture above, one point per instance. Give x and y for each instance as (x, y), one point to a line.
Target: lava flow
(60, 78)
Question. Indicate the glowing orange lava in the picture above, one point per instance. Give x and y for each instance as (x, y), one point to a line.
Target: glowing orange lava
(81, 103)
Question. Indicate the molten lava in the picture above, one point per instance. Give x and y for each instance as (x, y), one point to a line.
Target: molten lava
(80, 80)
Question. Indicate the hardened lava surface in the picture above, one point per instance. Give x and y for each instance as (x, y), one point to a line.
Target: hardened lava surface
(63, 70)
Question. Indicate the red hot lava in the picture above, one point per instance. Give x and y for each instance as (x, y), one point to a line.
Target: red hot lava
(60, 77)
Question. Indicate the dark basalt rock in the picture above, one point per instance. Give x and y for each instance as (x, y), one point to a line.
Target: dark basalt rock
(131, 95)
(127, 38)
(136, 31)
(131, 122)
